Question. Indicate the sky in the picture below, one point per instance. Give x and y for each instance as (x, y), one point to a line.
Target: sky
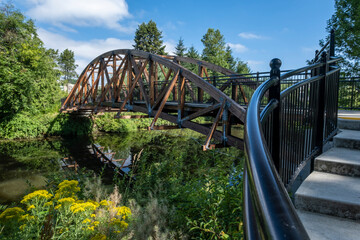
(256, 30)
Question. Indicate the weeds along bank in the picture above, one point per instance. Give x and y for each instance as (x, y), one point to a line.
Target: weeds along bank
(176, 191)
(26, 125)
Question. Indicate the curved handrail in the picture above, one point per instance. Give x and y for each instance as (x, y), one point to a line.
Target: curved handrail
(279, 219)
(269, 212)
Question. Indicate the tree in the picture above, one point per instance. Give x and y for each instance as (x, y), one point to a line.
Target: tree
(68, 66)
(242, 67)
(28, 78)
(214, 48)
(230, 59)
(180, 48)
(192, 53)
(346, 23)
(148, 38)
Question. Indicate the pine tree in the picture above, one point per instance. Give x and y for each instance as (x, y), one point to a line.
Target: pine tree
(180, 48)
(242, 67)
(230, 59)
(192, 53)
(148, 38)
(67, 66)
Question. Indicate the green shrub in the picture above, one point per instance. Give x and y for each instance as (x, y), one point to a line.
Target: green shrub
(107, 123)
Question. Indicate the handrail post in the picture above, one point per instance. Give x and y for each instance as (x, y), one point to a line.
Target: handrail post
(274, 93)
(332, 43)
(321, 104)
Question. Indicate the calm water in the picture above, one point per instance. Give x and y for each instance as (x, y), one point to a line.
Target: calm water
(25, 164)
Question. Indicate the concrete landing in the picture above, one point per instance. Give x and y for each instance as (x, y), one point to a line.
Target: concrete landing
(324, 227)
(330, 194)
(343, 161)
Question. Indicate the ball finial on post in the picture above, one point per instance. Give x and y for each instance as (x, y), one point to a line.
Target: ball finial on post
(275, 65)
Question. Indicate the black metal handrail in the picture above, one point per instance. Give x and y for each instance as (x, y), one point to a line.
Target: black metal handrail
(281, 139)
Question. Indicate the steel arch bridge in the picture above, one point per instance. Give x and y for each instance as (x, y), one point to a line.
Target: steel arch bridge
(164, 87)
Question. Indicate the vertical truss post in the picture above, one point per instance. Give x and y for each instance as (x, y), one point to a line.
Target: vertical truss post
(200, 90)
(129, 83)
(181, 98)
(226, 125)
(151, 83)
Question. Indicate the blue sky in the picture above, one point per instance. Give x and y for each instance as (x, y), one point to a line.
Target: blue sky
(257, 30)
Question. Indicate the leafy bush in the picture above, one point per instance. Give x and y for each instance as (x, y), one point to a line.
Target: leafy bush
(107, 123)
(67, 125)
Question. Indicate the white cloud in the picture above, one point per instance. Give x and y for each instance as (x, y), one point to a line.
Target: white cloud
(170, 47)
(105, 13)
(256, 65)
(85, 51)
(250, 36)
(237, 47)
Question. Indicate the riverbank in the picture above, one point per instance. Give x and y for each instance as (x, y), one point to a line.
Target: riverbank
(180, 191)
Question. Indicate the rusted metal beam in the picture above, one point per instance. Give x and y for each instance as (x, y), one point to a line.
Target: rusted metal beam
(213, 127)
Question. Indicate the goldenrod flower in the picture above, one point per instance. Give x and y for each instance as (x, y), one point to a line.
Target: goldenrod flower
(40, 195)
(93, 215)
(86, 221)
(31, 207)
(67, 189)
(99, 236)
(82, 207)
(11, 213)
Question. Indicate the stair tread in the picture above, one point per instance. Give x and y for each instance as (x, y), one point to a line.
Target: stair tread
(331, 187)
(325, 227)
(341, 155)
(348, 134)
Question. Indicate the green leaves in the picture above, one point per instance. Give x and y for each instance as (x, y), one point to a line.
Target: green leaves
(148, 38)
(346, 23)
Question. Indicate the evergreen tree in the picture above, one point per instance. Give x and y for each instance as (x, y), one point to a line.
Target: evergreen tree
(192, 53)
(28, 79)
(230, 59)
(214, 48)
(242, 67)
(180, 48)
(346, 23)
(148, 38)
(67, 65)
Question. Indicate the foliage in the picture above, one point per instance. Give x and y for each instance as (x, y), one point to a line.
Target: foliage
(64, 216)
(192, 53)
(346, 23)
(148, 38)
(107, 123)
(242, 67)
(214, 48)
(68, 125)
(25, 125)
(230, 59)
(67, 65)
(28, 79)
(180, 48)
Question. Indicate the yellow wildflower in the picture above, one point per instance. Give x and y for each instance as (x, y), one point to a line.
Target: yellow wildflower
(123, 211)
(94, 202)
(39, 195)
(22, 227)
(96, 223)
(104, 203)
(86, 221)
(119, 223)
(57, 206)
(31, 207)
(91, 228)
(99, 236)
(82, 207)
(93, 215)
(11, 213)
(67, 200)
(67, 189)
(48, 204)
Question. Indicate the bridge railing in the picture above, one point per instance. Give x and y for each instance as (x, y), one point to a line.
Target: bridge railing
(281, 139)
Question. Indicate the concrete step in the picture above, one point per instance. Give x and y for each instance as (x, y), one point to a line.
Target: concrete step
(349, 124)
(347, 139)
(343, 161)
(330, 194)
(324, 227)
